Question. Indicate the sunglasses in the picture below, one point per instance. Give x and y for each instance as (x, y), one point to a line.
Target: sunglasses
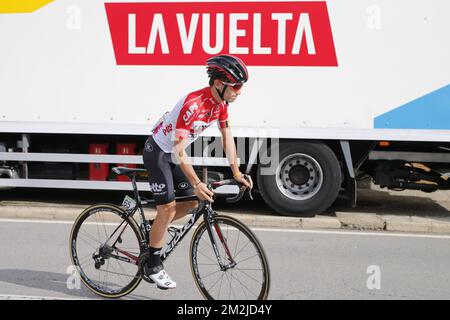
(234, 86)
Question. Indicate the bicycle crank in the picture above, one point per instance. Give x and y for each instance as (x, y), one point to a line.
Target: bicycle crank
(142, 263)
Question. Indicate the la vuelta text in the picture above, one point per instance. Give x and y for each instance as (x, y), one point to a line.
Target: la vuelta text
(187, 33)
(226, 310)
(262, 33)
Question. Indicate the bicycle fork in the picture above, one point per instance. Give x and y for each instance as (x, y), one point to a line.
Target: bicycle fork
(212, 226)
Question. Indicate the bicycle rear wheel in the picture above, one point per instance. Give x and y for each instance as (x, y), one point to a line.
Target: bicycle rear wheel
(244, 273)
(105, 248)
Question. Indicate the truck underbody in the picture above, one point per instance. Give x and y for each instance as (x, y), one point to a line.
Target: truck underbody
(303, 180)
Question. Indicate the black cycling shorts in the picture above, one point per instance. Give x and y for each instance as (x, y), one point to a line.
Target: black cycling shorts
(165, 177)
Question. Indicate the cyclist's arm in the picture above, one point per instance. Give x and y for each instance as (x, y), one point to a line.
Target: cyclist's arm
(186, 116)
(181, 158)
(230, 150)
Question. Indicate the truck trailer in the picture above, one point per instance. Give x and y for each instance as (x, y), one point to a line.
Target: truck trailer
(339, 91)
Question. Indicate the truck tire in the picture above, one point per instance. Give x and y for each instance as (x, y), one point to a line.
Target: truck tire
(304, 182)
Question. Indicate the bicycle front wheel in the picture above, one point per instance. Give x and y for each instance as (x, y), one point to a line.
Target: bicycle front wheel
(239, 272)
(105, 247)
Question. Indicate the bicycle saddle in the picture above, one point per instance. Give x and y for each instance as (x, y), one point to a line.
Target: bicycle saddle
(127, 171)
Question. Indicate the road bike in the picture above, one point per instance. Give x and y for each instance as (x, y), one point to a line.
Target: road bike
(108, 247)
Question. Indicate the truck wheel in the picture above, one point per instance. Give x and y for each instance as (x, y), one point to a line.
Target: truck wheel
(305, 181)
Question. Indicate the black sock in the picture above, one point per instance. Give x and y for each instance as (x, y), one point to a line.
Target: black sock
(154, 261)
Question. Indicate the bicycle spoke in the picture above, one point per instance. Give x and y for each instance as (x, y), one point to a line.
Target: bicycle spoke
(116, 273)
(237, 242)
(245, 294)
(215, 262)
(220, 287)
(121, 268)
(216, 283)
(210, 274)
(231, 288)
(91, 238)
(86, 258)
(256, 255)
(245, 287)
(107, 268)
(104, 227)
(249, 276)
(242, 249)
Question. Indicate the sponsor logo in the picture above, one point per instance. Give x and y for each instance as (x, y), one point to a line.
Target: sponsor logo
(183, 185)
(159, 126)
(187, 116)
(167, 129)
(199, 126)
(294, 33)
(155, 187)
(148, 146)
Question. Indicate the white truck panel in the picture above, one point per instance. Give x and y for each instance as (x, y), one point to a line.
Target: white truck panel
(56, 72)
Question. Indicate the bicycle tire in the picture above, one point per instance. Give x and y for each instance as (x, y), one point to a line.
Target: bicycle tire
(73, 247)
(199, 279)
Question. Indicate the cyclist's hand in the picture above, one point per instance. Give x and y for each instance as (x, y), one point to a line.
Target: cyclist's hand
(243, 181)
(203, 193)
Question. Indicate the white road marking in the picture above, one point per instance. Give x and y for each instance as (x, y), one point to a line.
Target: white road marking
(257, 229)
(357, 233)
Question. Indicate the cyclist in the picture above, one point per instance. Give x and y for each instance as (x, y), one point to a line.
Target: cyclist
(166, 160)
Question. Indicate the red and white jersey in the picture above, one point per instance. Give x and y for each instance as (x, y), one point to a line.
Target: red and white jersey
(189, 118)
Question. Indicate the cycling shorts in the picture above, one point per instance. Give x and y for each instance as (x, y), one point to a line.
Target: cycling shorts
(165, 177)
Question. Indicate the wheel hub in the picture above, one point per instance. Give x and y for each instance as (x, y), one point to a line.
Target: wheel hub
(299, 176)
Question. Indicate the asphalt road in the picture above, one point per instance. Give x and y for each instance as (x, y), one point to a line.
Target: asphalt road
(34, 261)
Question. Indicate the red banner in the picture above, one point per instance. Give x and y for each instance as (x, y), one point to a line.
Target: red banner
(188, 33)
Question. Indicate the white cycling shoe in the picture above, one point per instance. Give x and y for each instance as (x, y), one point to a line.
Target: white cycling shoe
(163, 280)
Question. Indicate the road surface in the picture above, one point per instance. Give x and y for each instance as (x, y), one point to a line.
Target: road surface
(34, 261)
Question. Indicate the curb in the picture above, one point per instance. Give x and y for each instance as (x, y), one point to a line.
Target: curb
(342, 221)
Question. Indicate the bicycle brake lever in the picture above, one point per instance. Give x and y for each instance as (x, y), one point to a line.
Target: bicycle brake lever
(237, 197)
(250, 194)
(249, 179)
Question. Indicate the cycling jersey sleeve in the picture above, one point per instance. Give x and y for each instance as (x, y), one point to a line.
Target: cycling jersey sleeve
(185, 118)
(223, 122)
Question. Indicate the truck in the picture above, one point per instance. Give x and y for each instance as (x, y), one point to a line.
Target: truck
(339, 92)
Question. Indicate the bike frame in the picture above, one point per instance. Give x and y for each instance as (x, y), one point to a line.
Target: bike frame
(204, 209)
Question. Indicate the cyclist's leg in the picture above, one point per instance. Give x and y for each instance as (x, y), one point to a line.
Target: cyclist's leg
(160, 178)
(164, 215)
(183, 208)
(183, 189)
(161, 186)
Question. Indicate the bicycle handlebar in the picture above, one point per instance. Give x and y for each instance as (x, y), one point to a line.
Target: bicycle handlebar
(228, 182)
